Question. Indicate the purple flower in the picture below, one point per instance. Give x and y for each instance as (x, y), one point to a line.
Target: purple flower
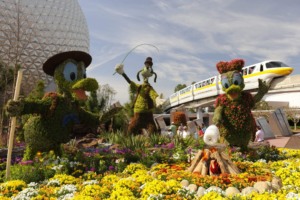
(111, 168)
(170, 145)
(120, 151)
(144, 155)
(27, 162)
(92, 169)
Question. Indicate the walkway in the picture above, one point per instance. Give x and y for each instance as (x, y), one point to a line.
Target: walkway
(292, 142)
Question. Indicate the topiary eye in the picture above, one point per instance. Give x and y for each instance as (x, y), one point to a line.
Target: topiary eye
(237, 79)
(70, 72)
(72, 76)
(225, 82)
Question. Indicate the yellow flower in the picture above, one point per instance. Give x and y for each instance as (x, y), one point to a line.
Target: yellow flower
(157, 187)
(212, 195)
(110, 179)
(122, 194)
(133, 167)
(14, 185)
(142, 176)
(82, 197)
(65, 179)
(93, 192)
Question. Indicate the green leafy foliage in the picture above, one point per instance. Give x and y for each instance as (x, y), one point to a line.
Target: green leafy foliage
(267, 153)
(179, 87)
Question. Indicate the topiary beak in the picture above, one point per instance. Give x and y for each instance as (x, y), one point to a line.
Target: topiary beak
(87, 84)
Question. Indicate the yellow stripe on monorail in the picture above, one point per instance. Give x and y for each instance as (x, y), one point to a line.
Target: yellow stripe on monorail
(205, 87)
(186, 93)
(278, 71)
(174, 99)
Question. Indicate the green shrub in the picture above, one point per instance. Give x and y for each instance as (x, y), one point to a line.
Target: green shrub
(31, 173)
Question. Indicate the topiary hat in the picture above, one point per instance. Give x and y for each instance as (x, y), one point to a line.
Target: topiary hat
(233, 65)
(52, 62)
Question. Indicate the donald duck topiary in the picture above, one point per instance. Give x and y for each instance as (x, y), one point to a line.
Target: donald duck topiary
(233, 109)
(54, 116)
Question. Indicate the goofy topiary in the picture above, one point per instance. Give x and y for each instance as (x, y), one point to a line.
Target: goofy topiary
(54, 116)
(145, 99)
(233, 109)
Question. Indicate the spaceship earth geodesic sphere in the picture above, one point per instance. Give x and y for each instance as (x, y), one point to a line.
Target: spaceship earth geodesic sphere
(33, 30)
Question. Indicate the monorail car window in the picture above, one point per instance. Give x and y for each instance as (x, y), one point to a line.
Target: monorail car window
(275, 64)
(261, 68)
(251, 69)
(197, 85)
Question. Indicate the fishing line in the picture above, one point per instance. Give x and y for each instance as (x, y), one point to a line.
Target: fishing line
(134, 49)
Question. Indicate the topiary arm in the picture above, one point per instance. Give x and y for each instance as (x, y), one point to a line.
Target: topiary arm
(119, 69)
(36, 106)
(126, 78)
(217, 119)
(263, 88)
(22, 107)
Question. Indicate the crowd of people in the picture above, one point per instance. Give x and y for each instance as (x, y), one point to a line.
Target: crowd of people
(184, 131)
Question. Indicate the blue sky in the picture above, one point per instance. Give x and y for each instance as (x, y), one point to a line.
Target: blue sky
(191, 37)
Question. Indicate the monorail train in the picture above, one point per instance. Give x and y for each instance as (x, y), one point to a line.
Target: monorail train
(266, 70)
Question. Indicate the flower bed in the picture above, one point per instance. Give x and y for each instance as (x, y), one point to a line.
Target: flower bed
(161, 181)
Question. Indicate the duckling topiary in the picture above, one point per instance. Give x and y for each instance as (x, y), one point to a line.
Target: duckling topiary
(233, 109)
(54, 116)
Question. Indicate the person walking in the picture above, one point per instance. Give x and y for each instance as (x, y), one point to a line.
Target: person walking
(259, 135)
(173, 128)
(185, 132)
(203, 127)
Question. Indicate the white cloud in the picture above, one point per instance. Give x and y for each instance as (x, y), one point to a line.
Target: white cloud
(192, 36)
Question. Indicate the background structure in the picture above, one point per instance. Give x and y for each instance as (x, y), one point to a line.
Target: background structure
(33, 30)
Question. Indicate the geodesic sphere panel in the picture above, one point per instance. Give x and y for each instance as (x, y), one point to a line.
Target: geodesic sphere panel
(33, 30)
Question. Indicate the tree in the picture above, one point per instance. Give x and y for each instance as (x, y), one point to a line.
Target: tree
(179, 87)
(37, 92)
(107, 110)
(17, 32)
(262, 109)
(6, 82)
(106, 96)
(293, 114)
(262, 105)
(92, 104)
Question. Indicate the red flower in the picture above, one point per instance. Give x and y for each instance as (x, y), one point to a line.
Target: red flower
(233, 65)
